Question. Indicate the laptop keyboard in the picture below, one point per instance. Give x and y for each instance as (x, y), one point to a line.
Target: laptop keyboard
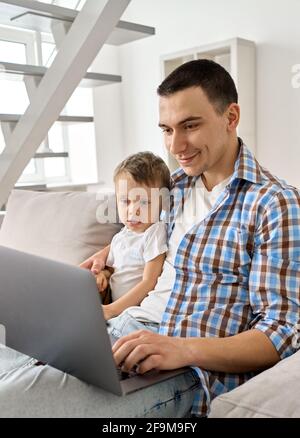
(124, 375)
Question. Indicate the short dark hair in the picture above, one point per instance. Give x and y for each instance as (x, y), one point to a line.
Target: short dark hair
(214, 80)
(145, 168)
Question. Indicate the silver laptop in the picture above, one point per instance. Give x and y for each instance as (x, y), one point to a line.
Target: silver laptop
(52, 312)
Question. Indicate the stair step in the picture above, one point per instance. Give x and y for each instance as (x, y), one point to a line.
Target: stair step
(68, 119)
(51, 155)
(30, 186)
(91, 79)
(35, 15)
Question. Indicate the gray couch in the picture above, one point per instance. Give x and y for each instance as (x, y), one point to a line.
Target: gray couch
(67, 226)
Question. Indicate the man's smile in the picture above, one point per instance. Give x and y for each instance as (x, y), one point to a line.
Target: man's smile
(188, 159)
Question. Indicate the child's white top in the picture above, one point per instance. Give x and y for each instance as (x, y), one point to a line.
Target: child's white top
(129, 252)
(197, 205)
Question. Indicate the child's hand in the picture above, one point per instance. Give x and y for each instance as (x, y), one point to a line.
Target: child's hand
(101, 281)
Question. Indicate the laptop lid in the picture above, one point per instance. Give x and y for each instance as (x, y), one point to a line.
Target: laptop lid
(52, 311)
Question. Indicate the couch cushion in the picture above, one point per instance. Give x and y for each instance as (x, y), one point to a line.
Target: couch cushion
(59, 225)
(273, 393)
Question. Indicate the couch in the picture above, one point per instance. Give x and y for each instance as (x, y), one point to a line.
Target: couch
(69, 226)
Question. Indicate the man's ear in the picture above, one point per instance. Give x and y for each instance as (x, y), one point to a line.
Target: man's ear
(233, 116)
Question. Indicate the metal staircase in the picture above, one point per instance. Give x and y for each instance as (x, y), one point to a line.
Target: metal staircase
(79, 36)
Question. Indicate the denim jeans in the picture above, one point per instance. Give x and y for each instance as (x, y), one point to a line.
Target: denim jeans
(124, 324)
(27, 390)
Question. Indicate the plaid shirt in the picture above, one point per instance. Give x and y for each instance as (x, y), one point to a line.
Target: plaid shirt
(238, 269)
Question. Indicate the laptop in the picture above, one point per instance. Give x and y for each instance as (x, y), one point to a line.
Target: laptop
(51, 311)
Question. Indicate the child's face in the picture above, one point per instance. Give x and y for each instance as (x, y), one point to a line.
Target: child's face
(138, 206)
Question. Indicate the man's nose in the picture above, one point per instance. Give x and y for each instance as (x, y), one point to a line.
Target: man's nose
(177, 143)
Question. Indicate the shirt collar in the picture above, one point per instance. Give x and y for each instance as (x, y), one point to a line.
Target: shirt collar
(246, 167)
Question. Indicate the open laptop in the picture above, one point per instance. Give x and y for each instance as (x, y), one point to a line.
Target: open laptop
(52, 312)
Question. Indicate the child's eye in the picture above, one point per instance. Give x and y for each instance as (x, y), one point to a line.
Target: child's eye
(144, 202)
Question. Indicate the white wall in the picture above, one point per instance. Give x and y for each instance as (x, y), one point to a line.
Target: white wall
(108, 116)
(182, 24)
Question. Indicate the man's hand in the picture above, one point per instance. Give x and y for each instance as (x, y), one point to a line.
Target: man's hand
(96, 263)
(149, 351)
(248, 351)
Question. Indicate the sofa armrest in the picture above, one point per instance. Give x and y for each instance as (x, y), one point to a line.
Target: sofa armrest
(274, 393)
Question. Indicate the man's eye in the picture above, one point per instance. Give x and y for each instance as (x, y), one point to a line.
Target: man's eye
(190, 126)
(166, 130)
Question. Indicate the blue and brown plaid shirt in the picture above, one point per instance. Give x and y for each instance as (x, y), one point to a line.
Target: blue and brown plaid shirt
(238, 269)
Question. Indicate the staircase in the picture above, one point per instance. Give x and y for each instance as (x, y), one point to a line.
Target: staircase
(79, 36)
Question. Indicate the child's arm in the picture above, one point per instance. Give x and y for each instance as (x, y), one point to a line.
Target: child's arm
(134, 296)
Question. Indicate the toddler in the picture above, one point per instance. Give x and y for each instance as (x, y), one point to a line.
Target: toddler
(137, 253)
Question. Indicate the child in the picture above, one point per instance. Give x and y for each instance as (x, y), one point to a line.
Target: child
(137, 252)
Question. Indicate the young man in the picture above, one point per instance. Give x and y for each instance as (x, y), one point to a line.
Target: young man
(234, 306)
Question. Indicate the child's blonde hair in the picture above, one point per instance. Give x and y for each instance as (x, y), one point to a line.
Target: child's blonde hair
(145, 168)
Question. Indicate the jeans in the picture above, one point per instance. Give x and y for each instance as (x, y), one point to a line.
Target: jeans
(124, 324)
(28, 390)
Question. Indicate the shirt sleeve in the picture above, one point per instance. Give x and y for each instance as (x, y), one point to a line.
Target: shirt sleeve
(274, 281)
(155, 241)
(110, 258)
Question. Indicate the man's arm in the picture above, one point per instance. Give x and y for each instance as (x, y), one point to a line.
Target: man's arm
(97, 261)
(274, 278)
(134, 296)
(274, 284)
(247, 351)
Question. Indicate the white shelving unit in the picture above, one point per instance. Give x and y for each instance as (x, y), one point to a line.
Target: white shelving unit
(238, 57)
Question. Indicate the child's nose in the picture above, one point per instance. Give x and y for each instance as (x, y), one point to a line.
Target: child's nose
(133, 211)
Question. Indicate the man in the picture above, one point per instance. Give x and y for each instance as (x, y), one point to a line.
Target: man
(234, 307)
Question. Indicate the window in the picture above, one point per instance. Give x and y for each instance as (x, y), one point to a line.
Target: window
(72, 4)
(77, 140)
(16, 47)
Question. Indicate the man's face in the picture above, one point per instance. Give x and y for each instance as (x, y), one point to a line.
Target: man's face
(194, 133)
